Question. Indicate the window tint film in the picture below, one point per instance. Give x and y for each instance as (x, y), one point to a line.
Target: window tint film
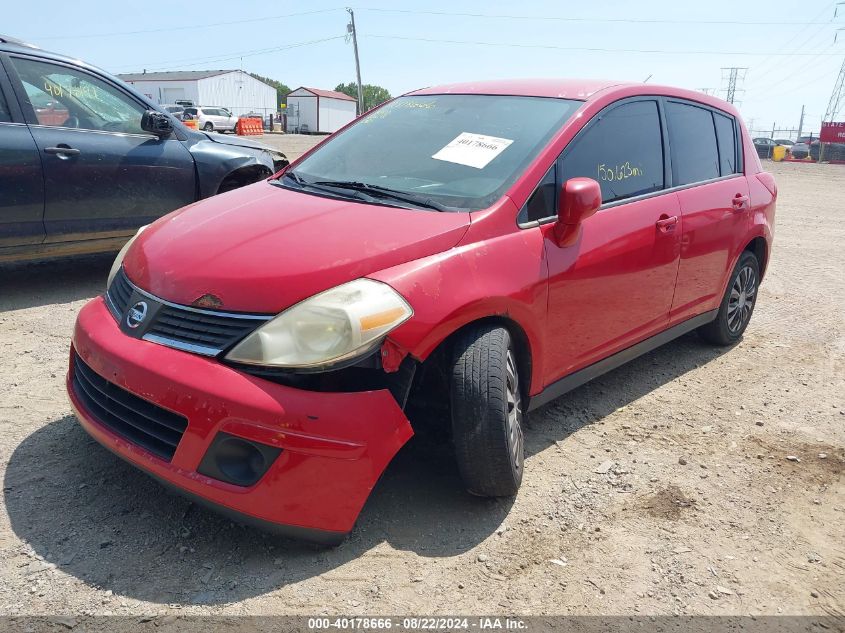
(727, 143)
(541, 204)
(693, 140)
(623, 151)
(62, 96)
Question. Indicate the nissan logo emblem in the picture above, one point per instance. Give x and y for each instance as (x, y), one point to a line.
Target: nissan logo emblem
(136, 314)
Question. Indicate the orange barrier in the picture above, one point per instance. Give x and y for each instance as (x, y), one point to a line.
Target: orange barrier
(250, 127)
(194, 124)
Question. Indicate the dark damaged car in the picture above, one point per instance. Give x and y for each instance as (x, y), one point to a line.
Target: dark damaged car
(85, 159)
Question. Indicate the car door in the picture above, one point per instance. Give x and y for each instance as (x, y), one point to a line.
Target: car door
(21, 178)
(103, 175)
(714, 199)
(613, 286)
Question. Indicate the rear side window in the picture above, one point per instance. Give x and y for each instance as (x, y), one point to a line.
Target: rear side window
(622, 150)
(692, 136)
(726, 136)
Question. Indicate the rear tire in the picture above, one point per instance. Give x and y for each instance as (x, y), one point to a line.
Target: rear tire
(486, 408)
(208, 127)
(737, 304)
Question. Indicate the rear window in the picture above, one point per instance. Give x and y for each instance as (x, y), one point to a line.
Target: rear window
(692, 136)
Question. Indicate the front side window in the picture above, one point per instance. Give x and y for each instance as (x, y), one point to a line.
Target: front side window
(66, 97)
(542, 203)
(692, 136)
(460, 151)
(622, 150)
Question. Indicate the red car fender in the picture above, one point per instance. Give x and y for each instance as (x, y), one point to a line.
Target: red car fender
(502, 276)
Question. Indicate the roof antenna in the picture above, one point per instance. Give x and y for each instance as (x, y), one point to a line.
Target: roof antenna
(645, 81)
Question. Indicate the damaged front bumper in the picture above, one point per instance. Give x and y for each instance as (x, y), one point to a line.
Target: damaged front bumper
(328, 449)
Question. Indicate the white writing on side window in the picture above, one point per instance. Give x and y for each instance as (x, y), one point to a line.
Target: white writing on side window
(473, 150)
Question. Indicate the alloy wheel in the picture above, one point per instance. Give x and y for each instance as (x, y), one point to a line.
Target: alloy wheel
(514, 411)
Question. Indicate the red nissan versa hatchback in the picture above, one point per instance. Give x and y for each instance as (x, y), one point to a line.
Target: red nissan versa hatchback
(492, 245)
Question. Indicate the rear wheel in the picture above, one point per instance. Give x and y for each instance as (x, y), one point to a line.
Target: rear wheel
(487, 412)
(737, 304)
(208, 127)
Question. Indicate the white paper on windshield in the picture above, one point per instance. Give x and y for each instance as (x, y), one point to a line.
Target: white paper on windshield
(473, 150)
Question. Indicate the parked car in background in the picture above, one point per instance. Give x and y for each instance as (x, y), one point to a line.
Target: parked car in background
(174, 109)
(213, 119)
(805, 146)
(87, 159)
(764, 147)
(785, 142)
(485, 246)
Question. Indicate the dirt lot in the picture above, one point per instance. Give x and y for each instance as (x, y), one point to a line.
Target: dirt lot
(663, 487)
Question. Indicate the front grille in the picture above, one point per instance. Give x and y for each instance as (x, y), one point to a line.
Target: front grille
(198, 330)
(205, 332)
(141, 422)
(118, 294)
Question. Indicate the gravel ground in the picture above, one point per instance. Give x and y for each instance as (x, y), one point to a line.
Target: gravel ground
(671, 485)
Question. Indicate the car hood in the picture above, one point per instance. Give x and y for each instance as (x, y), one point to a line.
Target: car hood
(263, 248)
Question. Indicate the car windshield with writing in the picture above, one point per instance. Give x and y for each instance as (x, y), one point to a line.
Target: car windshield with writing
(445, 152)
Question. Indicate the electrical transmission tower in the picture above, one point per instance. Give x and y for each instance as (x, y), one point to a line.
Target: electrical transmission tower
(837, 98)
(734, 75)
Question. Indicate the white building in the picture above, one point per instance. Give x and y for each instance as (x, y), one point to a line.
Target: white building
(323, 111)
(234, 90)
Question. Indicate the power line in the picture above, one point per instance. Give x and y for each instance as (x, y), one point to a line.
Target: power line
(776, 63)
(584, 48)
(192, 27)
(238, 55)
(545, 18)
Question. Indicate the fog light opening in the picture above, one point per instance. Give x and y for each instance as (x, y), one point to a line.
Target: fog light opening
(236, 460)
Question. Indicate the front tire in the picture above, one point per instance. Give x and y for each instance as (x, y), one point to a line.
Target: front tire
(486, 406)
(737, 304)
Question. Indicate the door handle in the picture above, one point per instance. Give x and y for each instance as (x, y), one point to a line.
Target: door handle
(62, 151)
(740, 202)
(667, 223)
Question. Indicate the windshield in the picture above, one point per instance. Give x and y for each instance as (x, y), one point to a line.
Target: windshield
(456, 152)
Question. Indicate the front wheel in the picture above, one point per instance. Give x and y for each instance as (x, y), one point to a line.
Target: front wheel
(737, 304)
(487, 411)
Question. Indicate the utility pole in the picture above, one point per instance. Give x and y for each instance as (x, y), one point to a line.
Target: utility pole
(801, 122)
(350, 28)
(733, 75)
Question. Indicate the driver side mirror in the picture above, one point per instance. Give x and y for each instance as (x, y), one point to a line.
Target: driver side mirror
(579, 199)
(156, 123)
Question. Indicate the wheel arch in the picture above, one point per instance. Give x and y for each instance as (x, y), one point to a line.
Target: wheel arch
(525, 354)
(244, 175)
(760, 248)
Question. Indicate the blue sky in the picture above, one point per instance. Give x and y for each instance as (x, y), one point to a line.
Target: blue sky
(787, 46)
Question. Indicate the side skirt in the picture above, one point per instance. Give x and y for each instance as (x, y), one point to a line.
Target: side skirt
(578, 378)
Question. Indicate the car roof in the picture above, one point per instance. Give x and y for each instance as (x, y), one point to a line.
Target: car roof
(14, 42)
(579, 89)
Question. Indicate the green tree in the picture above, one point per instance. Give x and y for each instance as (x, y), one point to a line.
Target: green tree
(281, 89)
(373, 95)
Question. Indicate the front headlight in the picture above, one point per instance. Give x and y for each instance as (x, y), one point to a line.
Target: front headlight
(333, 326)
(118, 261)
